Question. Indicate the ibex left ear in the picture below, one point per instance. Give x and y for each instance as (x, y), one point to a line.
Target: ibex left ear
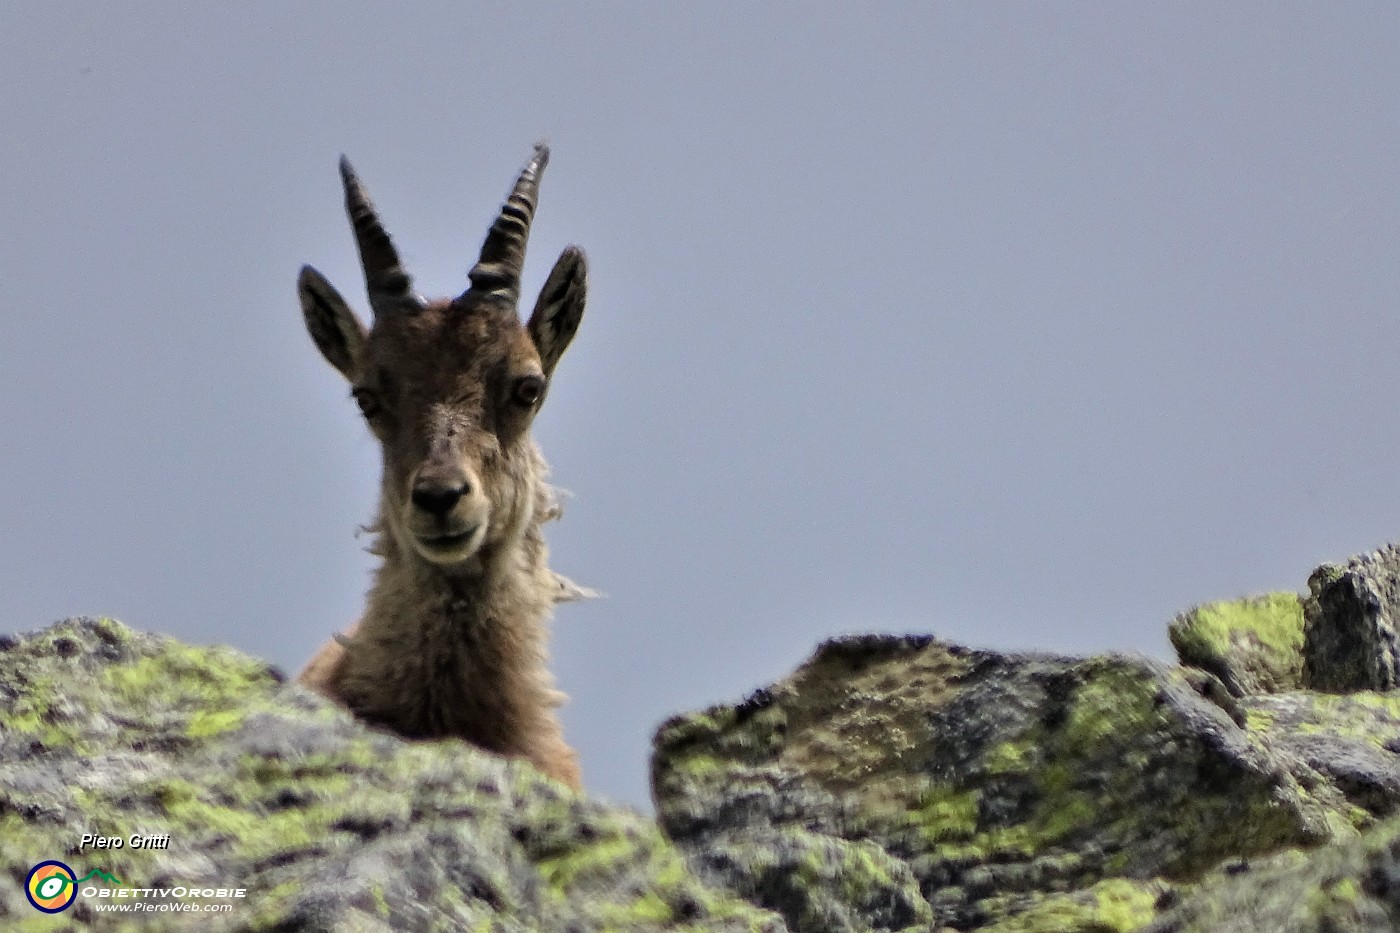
(339, 335)
(559, 308)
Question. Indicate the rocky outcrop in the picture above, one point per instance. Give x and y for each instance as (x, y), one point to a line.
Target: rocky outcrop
(1350, 641)
(1041, 793)
(325, 824)
(978, 783)
(891, 783)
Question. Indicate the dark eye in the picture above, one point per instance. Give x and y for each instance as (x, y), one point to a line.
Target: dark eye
(528, 390)
(369, 404)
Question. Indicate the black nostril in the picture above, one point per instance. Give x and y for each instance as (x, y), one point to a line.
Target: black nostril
(436, 498)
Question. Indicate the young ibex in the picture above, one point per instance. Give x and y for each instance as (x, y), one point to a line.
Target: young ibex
(452, 642)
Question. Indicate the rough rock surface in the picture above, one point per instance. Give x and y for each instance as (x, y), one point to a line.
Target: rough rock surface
(1350, 640)
(326, 824)
(892, 783)
(903, 770)
(1044, 794)
(1352, 885)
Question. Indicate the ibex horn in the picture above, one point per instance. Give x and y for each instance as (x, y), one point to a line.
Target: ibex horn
(389, 286)
(497, 272)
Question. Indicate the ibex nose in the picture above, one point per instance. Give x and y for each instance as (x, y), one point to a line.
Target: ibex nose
(438, 496)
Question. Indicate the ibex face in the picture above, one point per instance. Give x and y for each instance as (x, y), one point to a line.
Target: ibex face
(450, 387)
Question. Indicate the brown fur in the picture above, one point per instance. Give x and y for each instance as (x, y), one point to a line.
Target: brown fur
(453, 639)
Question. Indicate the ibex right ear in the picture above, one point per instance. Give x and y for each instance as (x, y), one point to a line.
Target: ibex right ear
(339, 335)
(559, 308)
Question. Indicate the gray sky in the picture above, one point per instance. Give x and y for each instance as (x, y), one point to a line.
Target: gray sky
(1026, 325)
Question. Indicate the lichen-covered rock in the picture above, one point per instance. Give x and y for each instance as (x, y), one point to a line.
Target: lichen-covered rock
(1113, 906)
(1350, 742)
(1252, 645)
(326, 825)
(817, 881)
(1350, 886)
(1008, 785)
(1350, 641)
(889, 784)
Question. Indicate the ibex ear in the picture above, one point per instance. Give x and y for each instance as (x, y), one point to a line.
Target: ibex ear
(339, 335)
(560, 307)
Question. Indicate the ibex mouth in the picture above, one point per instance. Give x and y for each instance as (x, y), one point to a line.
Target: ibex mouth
(450, 546)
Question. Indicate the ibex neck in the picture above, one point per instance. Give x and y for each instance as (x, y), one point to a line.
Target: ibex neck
(490, 582)
(439, 653)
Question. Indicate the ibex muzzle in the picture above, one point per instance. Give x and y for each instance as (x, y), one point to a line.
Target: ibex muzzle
(449, 515)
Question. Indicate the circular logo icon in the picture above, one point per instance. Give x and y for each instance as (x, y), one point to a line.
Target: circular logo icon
(51, 887)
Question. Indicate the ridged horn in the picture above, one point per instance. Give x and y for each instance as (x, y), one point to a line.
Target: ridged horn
(497, 271)
(388, 284)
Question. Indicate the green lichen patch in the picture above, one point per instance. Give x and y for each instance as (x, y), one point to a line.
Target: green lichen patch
(179, 674)
(1343, 745)
(1253, 645)
(577, 849)
(1113, 906)
(819, 882)
(1365, 716)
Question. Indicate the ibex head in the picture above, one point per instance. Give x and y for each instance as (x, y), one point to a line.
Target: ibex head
(450, 387)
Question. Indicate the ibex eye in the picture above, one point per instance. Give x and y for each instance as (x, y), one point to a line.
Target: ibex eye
(528, 390)
(369, 405)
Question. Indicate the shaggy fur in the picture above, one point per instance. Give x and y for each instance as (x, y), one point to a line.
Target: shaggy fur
(453, 640)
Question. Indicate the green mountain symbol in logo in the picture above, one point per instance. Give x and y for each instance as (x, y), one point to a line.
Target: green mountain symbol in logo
(99, 873)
